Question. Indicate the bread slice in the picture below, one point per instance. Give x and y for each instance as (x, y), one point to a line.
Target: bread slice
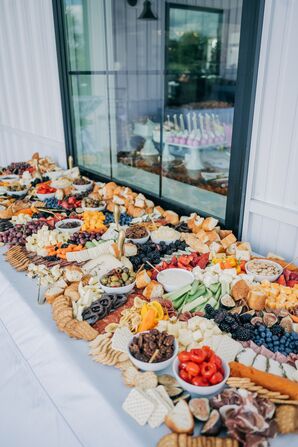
(142, 279)
(153, 290)
(209, 223)
(73, 273)
(228, 240)
(180, 419)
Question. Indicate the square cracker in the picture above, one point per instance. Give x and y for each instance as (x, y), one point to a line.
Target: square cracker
(138, 406)
(121, 338)
(160, 411)
(164, 395)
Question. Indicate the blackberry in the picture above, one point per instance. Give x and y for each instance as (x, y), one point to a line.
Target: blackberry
(209, 311)
(276, 329)
(229, 319)
(219, 317)
(224, 327)
(242, 334)
(245, 318)
(249, 326)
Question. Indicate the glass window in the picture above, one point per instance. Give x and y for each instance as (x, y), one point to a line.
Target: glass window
(153, 100)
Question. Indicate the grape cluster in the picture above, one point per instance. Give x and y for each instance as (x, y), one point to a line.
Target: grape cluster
(276, 339)
(84, 237)
(18, 233)
(154, 252)
(125, 219)
(17, 168)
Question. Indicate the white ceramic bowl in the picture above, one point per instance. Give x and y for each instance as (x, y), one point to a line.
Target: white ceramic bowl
(9, 178)
(98, 208)
(158, 241)
(140, 241)
(201, 390)
(118, 290)
(145, 366)
(17, 193)
(174, 279)
(83, 188)
(45, 196)
(257, 277)
(69, 230)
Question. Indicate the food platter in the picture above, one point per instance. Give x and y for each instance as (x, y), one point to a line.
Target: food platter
(222, 328)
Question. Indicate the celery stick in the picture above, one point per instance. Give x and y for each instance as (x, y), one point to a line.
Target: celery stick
(176, 293)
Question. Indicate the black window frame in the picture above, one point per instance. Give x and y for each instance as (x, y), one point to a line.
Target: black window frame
(248, 62)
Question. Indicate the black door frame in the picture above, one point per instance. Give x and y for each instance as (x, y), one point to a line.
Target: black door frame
(249, 50)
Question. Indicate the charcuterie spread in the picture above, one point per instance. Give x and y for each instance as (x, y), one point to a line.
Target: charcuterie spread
(205, 334)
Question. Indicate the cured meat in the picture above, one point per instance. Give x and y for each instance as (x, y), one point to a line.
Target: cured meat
(248, 418)
(115, 316)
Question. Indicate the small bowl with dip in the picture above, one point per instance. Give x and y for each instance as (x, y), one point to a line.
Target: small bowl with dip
(263, 270)
(174, 279)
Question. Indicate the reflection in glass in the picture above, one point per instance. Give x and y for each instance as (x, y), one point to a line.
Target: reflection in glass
(153, 100)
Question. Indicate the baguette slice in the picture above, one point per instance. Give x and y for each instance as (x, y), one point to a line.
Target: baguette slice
(180, 419)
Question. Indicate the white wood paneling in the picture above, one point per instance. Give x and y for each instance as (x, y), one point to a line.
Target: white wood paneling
(30, 105)
(271, 211)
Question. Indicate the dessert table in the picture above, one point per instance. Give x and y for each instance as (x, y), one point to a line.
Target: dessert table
(51, 392)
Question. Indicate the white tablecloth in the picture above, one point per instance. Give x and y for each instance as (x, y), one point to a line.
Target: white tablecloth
(51, 393)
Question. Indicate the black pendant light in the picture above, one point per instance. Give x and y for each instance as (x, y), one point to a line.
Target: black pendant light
(147, 13)
(132, 2)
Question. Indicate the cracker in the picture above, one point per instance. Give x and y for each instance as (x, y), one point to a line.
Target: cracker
(121, 338)
(160, 411)
(170, 440)
(129, 376)
(123, 365)
(164, 395)
(146, 380)
(182, 440)
(138, 407)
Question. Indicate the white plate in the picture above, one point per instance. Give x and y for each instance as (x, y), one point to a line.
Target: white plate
(201, 390)
(182, 276)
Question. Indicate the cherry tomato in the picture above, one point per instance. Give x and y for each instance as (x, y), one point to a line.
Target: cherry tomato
(216, 378)
(199, 381)
(192, 368)
(182, 366)
(184, 376)
(208, 369)
(208, 352)
(184, 356)
(217, 360)
(197, 355)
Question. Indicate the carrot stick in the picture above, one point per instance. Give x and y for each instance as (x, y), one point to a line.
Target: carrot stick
(269, 381)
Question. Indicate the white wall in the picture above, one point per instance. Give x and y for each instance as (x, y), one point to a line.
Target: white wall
(30, 106)
(271, 218)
